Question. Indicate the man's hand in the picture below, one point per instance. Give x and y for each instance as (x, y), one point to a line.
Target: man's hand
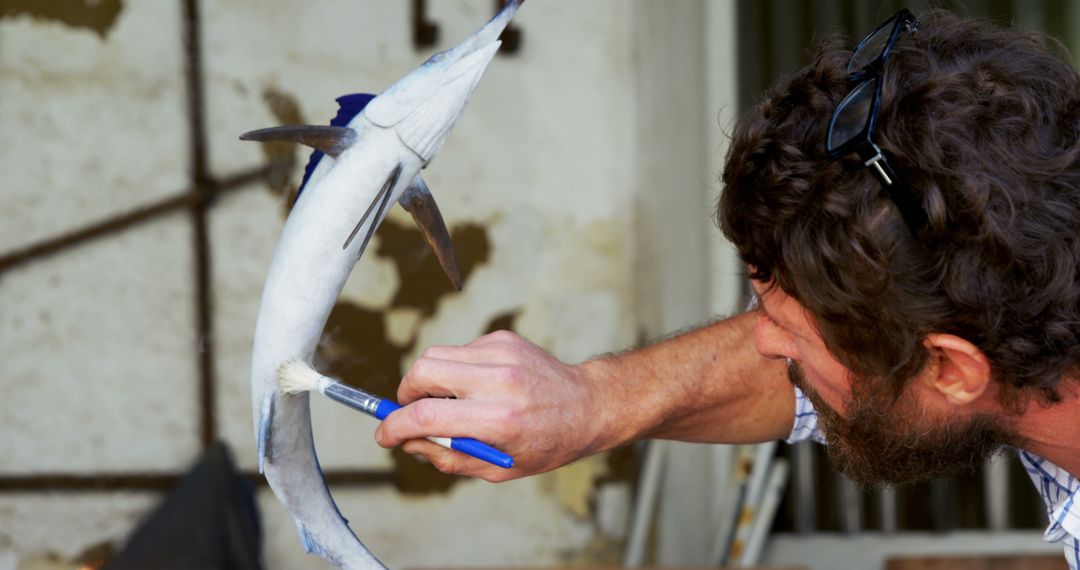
(504, 391)
(707, 385)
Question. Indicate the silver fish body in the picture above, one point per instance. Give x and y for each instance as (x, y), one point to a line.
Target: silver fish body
(396, 135)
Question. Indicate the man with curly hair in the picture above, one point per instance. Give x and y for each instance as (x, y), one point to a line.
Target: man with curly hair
(910, 216)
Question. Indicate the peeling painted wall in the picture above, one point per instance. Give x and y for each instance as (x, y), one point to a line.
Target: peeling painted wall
(96, 15)
(540, 185)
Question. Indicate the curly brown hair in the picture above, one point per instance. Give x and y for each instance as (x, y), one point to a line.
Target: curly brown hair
(982, 124)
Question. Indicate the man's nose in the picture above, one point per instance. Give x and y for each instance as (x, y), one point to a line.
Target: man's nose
(771, 341)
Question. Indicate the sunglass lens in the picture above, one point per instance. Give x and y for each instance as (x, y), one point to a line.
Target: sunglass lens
(852, 114)
(870, 48)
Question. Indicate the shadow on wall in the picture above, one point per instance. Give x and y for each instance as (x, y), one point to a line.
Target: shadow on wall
(210, 520)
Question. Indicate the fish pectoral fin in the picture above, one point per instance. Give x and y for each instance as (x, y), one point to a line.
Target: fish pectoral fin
(329, 139)
(418, 201)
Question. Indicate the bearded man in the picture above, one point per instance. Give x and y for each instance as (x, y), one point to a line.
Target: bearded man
(910, 216)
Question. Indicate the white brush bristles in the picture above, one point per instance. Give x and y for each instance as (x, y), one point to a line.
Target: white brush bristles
(295, 377)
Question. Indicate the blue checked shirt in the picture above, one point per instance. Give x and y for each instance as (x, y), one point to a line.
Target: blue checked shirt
(1058, 488)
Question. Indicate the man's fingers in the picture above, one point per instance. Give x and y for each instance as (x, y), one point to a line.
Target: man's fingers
(442, 418)
(436, 377)
(456, 371)
(500, 337)
(433, 377)
(486, 354)
(455, 463)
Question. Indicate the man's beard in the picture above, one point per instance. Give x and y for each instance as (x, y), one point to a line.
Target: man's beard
(885, 440)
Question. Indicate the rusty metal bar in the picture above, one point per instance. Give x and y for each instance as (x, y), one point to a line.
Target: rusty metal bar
(94, 231)
(204, 193)
(124, 221)
(50, 483)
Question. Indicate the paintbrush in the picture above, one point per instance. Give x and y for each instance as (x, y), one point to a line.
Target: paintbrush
(295, 377)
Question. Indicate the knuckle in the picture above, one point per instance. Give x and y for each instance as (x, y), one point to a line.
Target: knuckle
(494, 475)
(413, 449)
(502, 337)
(446, 463)
(423, 413)
(507, 420)
(419, 368)
(509, 375)
(386, 434)
(431, 352)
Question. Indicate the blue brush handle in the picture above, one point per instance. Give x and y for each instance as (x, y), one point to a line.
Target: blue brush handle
(384, 408)
(466, 445)
(482, 451)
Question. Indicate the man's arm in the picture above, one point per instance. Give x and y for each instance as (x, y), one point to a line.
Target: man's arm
(706, 385)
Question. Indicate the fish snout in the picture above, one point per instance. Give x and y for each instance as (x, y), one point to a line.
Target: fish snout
(423, 108)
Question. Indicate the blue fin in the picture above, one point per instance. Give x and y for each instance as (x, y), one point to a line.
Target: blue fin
(349, 106)
(265, 417)
(310, 546)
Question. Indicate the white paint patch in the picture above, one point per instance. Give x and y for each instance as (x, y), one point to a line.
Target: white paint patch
(99, 126)
(99, 369)
(37, 525)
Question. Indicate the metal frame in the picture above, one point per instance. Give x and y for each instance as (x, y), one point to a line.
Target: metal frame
(198, 199)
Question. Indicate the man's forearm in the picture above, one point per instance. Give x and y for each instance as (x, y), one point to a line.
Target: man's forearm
(706, 385)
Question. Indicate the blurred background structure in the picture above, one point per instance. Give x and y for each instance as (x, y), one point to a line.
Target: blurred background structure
(578, 187)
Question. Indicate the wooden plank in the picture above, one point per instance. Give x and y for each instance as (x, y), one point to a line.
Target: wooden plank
(1012, 562)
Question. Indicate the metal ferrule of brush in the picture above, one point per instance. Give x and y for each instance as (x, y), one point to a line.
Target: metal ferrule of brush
(351, 397)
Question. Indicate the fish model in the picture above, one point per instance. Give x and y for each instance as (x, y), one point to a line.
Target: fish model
(369, 157)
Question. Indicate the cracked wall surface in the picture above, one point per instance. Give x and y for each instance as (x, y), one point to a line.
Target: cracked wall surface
(100, 340)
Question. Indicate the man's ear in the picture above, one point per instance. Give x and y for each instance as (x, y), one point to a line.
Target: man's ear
(962, 371)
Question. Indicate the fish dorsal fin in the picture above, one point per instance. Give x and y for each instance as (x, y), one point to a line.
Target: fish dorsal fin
(349, 106)
(330, 140)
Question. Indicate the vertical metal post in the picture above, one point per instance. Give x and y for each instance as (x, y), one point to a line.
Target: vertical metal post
(204, 190)
(772, 492)
(725, 498)
(941, 505)
(804, 455)
(850, 497)
(645, 504)
(996, 493)
(886, 497)
(743, 464)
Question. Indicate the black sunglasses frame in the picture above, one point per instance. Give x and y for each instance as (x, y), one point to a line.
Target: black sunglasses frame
(862, 143)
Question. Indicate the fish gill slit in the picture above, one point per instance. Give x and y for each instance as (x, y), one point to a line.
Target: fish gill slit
(268, 449)
(380, 199)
